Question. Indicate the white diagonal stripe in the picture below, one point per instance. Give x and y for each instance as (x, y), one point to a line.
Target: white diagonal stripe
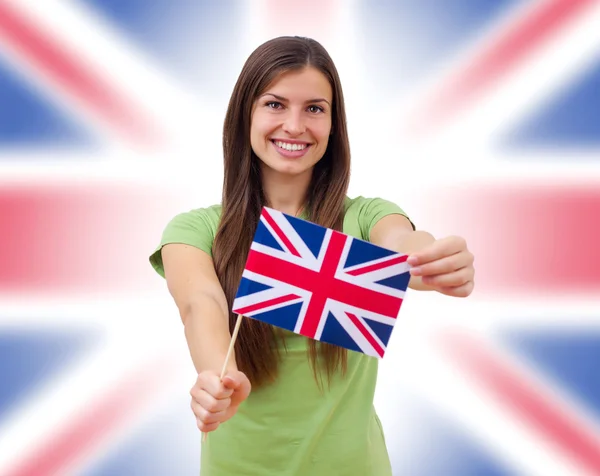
(292, 235)
(283, 256)
(353, 332)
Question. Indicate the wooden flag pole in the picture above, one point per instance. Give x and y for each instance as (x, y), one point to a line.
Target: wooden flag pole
(229, 352)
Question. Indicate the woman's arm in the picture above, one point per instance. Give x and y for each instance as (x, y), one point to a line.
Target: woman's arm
(202, 305)
(395, 233)
(444, 265)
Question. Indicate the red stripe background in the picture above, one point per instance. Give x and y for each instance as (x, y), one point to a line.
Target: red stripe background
(533, 240)
(78, 238)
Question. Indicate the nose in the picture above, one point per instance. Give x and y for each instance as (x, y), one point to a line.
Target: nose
(294, 123)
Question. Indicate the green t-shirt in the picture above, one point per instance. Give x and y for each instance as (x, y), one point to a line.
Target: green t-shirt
(291, 428)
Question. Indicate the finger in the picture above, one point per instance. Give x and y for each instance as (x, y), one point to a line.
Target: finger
(456, 278)
(207, 417)
(437, 250)
(460, 291)
(448, 264)
(214, 387)
(206, 428)
(211, 403)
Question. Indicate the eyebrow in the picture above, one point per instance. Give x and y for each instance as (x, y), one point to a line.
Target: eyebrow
(281, 98)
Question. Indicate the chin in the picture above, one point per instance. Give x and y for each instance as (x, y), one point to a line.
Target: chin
(291, 171)
(289, 168)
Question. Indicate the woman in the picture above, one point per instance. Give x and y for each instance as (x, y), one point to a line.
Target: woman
(310, 411)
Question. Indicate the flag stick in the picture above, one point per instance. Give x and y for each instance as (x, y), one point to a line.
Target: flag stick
(229, 352)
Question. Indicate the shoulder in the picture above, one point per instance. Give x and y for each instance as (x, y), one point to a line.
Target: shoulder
(196, 227)
(197, 217)
(362, 204)
(363, 213)
(196, 221)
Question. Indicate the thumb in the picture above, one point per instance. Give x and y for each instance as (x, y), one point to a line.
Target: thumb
(230, 382)
(238, 382)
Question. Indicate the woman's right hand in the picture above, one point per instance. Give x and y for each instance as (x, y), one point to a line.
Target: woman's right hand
(215, 401)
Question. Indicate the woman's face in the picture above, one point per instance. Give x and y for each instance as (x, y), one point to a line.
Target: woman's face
(291, 122)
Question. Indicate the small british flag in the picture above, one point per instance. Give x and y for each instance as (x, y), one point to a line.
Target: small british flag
(322, 284)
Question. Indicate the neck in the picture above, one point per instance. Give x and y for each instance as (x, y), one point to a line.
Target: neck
(286, 193)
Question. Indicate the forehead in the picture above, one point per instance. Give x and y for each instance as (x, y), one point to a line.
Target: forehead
(307, 83)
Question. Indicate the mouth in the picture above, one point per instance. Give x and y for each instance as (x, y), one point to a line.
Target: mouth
(289, 149)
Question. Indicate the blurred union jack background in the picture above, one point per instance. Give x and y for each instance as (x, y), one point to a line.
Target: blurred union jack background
(480, 118)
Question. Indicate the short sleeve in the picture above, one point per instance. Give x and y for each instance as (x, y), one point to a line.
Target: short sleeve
(370, 210)
(195, 228)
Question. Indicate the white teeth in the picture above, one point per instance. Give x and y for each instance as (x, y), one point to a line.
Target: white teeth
(290, 147)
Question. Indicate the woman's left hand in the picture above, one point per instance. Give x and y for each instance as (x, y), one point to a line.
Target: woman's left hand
(446, 265)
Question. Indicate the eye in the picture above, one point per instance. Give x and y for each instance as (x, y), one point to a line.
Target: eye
(273, 104)
(315, 109)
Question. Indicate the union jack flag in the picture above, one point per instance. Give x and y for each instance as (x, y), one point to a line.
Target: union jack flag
(322, 284)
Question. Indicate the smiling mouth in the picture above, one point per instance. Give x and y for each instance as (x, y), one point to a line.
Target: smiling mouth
(290, 147)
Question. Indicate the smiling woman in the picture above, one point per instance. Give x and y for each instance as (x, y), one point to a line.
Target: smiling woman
(285, 145)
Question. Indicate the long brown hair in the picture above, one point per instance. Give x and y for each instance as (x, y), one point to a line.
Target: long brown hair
(256, 347)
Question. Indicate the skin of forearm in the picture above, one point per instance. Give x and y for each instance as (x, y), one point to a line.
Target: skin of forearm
(207, 334)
